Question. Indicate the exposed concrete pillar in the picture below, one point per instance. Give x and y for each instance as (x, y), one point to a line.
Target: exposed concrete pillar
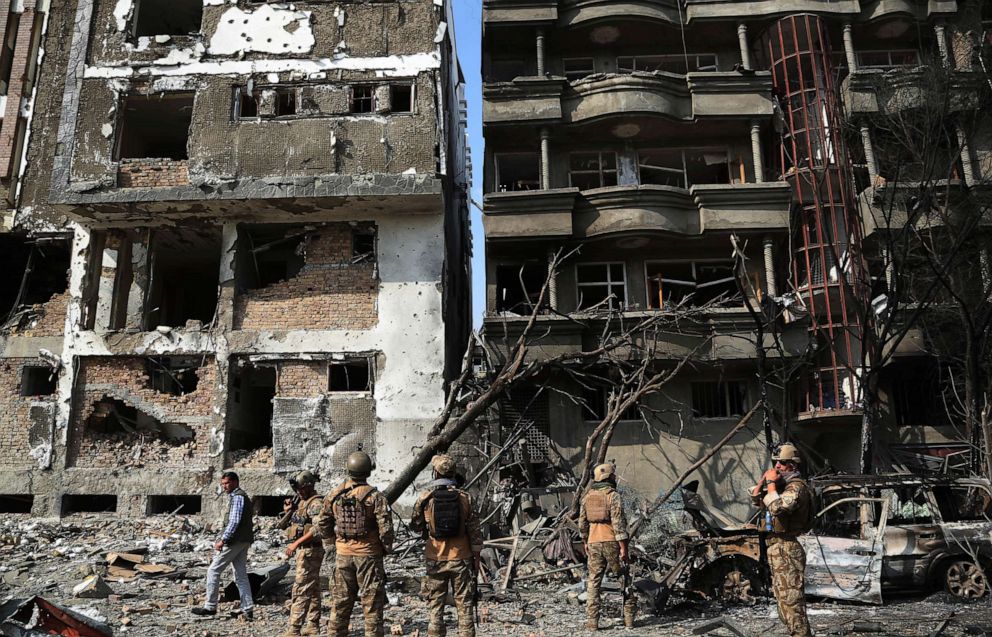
(552, 282)
(967, 161)
(770, 286)
(852, 59)
(869, 156)
(545, 158)
(139, 286)
(742, 41)
(756, 155)
(109, 264)
(945, 56)
(225, 298)
(540, 52)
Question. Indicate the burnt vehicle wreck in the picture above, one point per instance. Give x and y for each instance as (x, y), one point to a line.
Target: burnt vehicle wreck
(872, 534)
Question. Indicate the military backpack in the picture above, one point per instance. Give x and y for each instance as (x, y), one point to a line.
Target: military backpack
(445, 520)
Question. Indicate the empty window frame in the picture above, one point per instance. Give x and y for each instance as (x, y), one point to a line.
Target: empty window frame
(518, 286)
(362, 246)
(173, 505)
(167, 17)
(155, 126)
(601, 285)
(361, 98)
(896, 58)
(176, 376)
(719, 399)
(354, 375)
(7, 52)
(73, 503)
(38, 380)
(676, 63)
(689, 283)
(518, 171)
(587, 170)
(401, 98)
(284, 101)
(596, 406)
(577, 68)
(682, 168)
(506, 69)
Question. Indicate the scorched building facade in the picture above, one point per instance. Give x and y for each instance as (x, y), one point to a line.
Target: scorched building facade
(237, 238)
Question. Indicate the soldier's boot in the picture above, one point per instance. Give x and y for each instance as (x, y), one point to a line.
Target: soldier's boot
(310, 629)
(592, 623)
(292, 631)
(628, 618)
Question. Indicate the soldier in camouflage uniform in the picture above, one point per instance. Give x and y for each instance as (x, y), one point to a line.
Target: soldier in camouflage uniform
(789, 504)
(603, 526)
(305, 543)
(359, 520)
(453, 547)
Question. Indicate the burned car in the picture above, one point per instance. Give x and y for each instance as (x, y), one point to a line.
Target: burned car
(871, 534)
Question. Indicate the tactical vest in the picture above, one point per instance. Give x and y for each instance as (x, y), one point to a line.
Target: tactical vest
(800, 519)
(598, 506)
(301, 521)
(245, 531)
(443, 513)
(351, 516)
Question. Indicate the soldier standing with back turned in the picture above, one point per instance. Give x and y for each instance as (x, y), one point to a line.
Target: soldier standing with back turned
(788, 504)
(305, 544)
(450, 525)
(603, 526)
(357, 517)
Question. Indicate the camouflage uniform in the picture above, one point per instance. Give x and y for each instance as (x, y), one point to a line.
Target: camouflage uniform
(603, 526)
(792, 515)
(358, 567)
(309, 557)
(449, 560)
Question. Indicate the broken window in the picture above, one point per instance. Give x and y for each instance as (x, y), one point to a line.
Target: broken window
(40, 271)
(362, 98)
(249, 411)
(167, 17)
(517, 171)
(893, 59)
(601, 285)
(597, 402)
(592, 170)
(16, 503)
(518, 286)
(401, 98)
(362, 246)
(675, 63)
(683, 168)
(721, 399)
(577, 68)
(111, 416)
(270, 255)
(175, 375)
(155, 126)
(908, 505)
(918, 394)
(173, 504)
(185, 267)
(689, 283)
(104, 503)
(963, 503)
(278, 102)
(350, 376)
(245, 103)
(38, 380)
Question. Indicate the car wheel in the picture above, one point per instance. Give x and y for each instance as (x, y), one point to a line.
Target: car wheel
(964, 579)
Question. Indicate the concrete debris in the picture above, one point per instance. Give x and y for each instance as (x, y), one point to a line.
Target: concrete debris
(93, 587)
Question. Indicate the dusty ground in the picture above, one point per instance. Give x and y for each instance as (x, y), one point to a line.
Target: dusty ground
(48, 558)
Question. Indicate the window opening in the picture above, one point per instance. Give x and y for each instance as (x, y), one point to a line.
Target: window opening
(155, 126)
(249, 421)
(401, 98)
(577, 68)
(362, 98)
(104, 503)
(16, 503)
(683, 168)
(7, 54)
(272, 254)
(518, 286)
(168, 17)
(719, 399)
(173, 505)
(597, 405)
(285, 101)
(693, 283)
(173, 375)
(350, 376)
(246, 102)
(601, 285)
(38, 380)
(269, 506)
(517, 171)
(592, 170)
(362, 246)
(185, 268)
(506, 69)
(675, 63)
(894, 59)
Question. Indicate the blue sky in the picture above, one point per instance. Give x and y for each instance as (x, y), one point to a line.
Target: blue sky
(468, 38)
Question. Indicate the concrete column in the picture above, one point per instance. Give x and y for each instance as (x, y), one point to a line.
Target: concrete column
(768, 243)
(552, 283)
(226, 288)
(945, 56)
(545, 159)
(540, 52)
(852, 59)
(967, 161)
(869, 156)
(756, 155)
(742, 41)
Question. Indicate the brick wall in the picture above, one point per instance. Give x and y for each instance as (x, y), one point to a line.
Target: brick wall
(152, 173)
(14, 418)
(302, 379)
(330, 292)
(49, 318)
(125, 379)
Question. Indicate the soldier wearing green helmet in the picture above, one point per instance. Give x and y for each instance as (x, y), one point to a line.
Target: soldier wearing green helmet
(305, 544)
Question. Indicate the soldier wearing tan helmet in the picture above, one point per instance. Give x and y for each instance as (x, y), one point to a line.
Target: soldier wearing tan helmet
(357, 517)
(444, 515)
(603, 526)
(788, 513)
(305, 544)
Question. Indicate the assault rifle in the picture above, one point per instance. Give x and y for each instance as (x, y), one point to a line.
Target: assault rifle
(288, 515)
(626, 581)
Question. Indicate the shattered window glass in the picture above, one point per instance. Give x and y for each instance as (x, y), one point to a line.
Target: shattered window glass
(963, 503)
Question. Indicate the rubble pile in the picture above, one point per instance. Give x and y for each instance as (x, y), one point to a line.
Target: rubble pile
(260, 458)
(138, 449)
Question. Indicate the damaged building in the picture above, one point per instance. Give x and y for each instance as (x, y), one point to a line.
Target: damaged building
(644, 135)
(236, 236)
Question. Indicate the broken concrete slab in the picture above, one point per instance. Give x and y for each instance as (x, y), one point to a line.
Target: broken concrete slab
(93, 587)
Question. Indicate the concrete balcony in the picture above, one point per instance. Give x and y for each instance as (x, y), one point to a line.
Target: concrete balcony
(580, 12)
(678, 97)
(567, 212)
(520, 11)
(889, 91)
